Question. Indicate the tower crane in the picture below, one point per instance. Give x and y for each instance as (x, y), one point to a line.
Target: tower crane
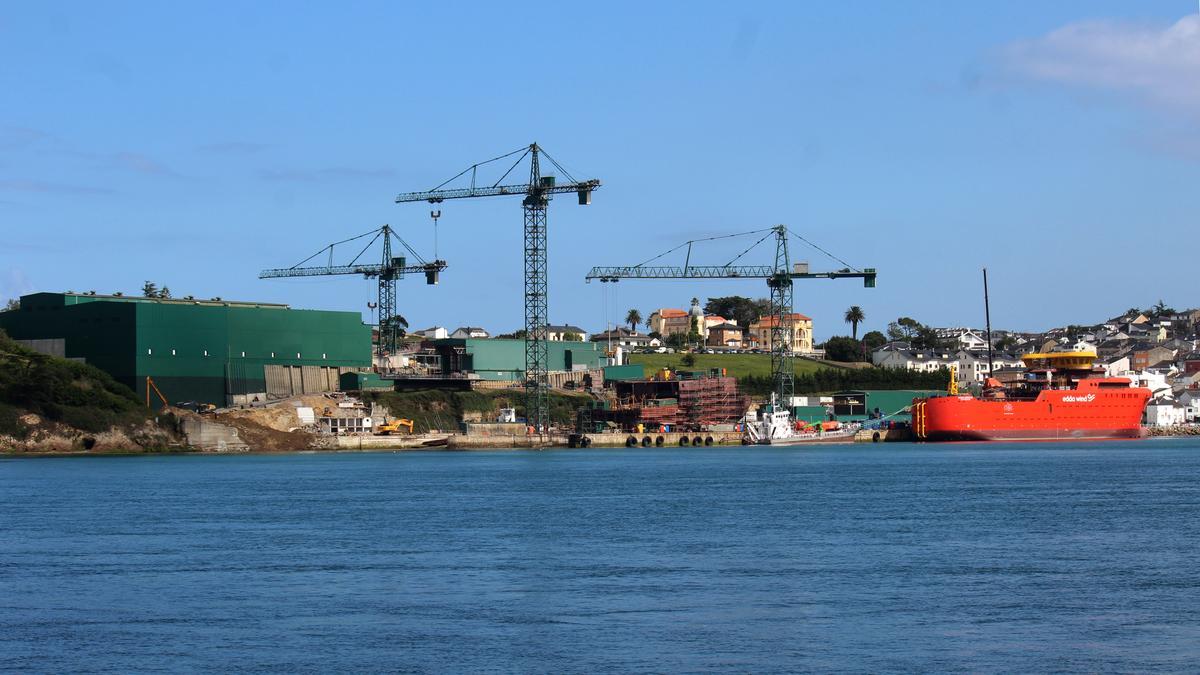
(387, 271)
(779, 277)
(536, 194)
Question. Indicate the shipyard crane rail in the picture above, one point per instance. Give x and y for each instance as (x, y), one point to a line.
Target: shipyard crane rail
(536, 194)
(779, 278)
(388, 270)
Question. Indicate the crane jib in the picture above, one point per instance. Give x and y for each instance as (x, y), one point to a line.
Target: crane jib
(435, 196)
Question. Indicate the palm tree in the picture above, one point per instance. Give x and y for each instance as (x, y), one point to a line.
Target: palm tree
(633, 318)
(855, 316)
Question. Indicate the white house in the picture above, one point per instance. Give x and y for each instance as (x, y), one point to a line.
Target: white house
(970, 339)
(625, 338)
(1190, 400)
(560, 333)
(433, 333)
(972, 367)
(1165, 414)
(1117, 367)
(466, 332)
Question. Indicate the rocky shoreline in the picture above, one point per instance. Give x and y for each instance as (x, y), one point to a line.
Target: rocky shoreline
(1176, 430)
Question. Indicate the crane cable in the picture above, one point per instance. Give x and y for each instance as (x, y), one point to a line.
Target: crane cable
(330, 248)
(559, 167)
(834, 257)
(697, 241)
(479, 164)
(735, 259)
(360, 253)
(524, 151)
(514, 165)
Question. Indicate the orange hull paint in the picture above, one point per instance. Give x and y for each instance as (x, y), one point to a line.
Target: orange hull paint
(1095, 409)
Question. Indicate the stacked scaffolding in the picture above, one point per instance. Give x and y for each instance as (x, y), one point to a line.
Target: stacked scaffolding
(711, 400)
(687, 401)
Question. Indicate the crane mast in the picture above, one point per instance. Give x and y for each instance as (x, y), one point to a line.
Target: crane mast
(537, 194)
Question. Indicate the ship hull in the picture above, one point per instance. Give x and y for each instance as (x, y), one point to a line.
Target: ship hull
(1032, 435)
(1095, 410)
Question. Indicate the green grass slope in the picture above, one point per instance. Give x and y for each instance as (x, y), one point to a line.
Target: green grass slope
(735, 365)
(61, 391)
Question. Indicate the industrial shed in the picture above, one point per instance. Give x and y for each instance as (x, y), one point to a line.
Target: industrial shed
(210, 351)
(494, 359)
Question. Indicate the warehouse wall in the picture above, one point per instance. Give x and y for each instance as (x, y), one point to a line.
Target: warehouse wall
(101, 334)
(494, 359)
(204, 352)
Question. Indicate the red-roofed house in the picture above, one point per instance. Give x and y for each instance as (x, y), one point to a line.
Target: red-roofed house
(669, 321)
(801, 327)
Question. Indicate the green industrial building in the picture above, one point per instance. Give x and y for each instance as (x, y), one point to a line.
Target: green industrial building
(493, 359)
(209, 351)
(862, 405)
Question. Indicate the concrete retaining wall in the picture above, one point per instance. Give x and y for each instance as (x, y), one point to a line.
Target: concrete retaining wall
(212, 437)
(883, 436)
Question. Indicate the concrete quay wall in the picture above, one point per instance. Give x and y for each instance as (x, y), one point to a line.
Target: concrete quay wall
(883, 436)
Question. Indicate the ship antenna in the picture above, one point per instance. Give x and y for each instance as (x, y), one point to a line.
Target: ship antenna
(987, 314)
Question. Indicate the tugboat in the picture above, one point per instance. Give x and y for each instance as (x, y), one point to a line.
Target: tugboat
(773, 425)
(1063, 397)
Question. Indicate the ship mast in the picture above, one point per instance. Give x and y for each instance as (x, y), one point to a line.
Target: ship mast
(987, 314)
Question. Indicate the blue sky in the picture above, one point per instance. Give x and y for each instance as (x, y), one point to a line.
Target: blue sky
(1056, 143)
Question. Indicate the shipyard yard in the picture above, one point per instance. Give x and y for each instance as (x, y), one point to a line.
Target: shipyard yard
(759, 337)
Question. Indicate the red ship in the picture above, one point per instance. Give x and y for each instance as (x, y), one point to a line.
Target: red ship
(1061, 398)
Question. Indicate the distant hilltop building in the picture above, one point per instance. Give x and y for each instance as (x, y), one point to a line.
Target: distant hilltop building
(801, 328)
(971, 366)
(470, 333)
(433, 333)
(970, 339)
(625, 338)
(670, 321)
(565, 333)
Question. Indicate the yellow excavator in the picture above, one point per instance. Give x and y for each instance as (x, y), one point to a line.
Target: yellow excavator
(394, 427)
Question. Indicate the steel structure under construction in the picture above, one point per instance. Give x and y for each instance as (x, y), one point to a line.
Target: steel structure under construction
(688, 401)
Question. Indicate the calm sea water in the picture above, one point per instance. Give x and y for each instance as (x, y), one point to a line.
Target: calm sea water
(869, 558)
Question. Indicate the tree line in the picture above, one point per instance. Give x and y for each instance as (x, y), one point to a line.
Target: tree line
(842, 379)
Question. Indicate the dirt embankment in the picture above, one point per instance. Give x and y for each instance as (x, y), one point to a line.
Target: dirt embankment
(277, 427)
